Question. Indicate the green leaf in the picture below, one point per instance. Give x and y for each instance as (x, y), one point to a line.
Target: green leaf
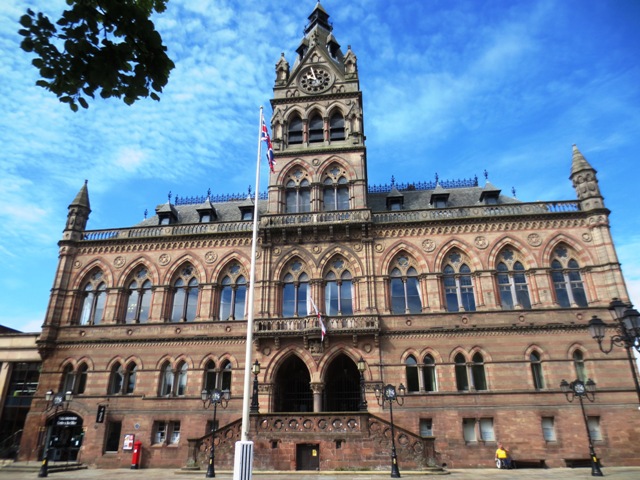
(26, 21)
(83, 102)
(73, 106)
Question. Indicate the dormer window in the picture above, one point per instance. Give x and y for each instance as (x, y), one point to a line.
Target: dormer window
(395, 204)
(207, 212)
(205, 217)
(440, 202)
(167, 214)
(165, 219)
(247, 214)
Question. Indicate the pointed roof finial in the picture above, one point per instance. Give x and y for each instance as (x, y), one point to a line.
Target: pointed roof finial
(393, 181)
(578, 162)
(486, 175)
(513, 191)
(146, 212)
(169, 197)
(437, 179)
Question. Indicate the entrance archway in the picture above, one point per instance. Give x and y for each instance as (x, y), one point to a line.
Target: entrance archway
(342, 385)
(292, 390)
(64, 437)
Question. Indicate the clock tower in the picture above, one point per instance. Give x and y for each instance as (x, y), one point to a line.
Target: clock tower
(318, 135)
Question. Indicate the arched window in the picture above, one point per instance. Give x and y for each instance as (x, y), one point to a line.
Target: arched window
(567, 281)
(298, 193)
(295, 131)
(477, 372)
(336, 127)
(182, 379)
(462, 377)
(404, 286)
(81, 378)
(95, 296)
(225, 381)
(217, 378)
(335, 194)
(295, 291)
(411, 368)
(316, 129)
(166, 380)
(233, 293)
(130, 378)
(536, 370)
(185, 296)
(458, 285)
(210, 376)
(429, 374)
(512, 282)
(68, 379)
(578, 363)
(338, 289)
(116, 380)
(139, 297)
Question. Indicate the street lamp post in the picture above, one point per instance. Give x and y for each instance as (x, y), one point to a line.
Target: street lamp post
(54, 401)
(627, 333)
(389, 394)
(579, 389)
(215, 397)
(255, 406)
(362, 366)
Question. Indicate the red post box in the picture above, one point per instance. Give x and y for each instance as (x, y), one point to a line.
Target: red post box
(137, 455)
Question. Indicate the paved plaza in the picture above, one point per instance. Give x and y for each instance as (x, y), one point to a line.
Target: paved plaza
(618, 473)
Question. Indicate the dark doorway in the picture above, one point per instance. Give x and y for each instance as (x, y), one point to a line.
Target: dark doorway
(64, 437)
(342, 386)
(307, 456)
(292, 392)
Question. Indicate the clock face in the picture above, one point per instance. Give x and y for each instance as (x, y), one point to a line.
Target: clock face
(579, 388)
(58, 399)
(314, 79)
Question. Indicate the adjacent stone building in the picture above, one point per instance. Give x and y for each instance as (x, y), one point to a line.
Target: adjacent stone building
(476, 302)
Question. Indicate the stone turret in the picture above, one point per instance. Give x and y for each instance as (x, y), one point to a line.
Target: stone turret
(78, 215)
(583, 176)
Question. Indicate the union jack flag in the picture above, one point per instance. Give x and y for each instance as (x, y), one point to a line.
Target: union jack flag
(267, 139)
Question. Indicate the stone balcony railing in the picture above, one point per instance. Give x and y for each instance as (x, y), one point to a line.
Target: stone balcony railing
(311, 325)
(476, 211)
(337, 217)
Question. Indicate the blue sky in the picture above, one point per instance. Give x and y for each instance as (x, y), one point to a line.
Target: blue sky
(449, 87)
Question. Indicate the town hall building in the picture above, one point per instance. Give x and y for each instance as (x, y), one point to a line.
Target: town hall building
(472, 304)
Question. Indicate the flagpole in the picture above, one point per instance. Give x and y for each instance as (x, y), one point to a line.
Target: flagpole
(243, 462)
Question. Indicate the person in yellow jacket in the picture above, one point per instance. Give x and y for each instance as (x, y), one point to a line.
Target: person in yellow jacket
(502, 455)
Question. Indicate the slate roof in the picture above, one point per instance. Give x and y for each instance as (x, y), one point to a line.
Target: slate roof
(377, 202)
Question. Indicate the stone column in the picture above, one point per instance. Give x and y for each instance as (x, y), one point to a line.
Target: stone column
(317, 389)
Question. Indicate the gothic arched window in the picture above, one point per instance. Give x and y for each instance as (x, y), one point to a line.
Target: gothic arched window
(181, 384)
(297, 193)
(166, 380)
(116, 380)
(567, 281)
(578, 364)
(316, 129)
(336, 127)
(512, 282)
(458, 285)
(295, 131)
(295, 291)
(335, 192)
(477, 372)
(68, 379)
(462, 376)
(185, 296)
(429, 374)
(130, 375)
(233, 293)
(411, 370)
(81, 378)
(95, 297)
(536, 370)
(338, 289)
(404, 286)
(139, 297)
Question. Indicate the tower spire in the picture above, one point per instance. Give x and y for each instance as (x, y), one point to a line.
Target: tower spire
(585, 182)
